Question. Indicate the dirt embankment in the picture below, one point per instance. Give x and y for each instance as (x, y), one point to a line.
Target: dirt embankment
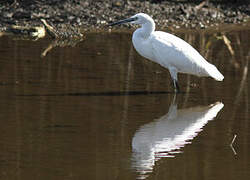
(91, 14)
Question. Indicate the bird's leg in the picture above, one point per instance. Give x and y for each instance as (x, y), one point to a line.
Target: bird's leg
(176, 86)
(173, 73)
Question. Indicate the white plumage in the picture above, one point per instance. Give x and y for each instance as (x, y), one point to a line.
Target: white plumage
(169, 50)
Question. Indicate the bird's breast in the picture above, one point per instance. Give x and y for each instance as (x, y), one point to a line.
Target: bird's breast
(143, 46)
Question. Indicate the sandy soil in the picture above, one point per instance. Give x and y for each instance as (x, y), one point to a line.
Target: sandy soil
(91, 14)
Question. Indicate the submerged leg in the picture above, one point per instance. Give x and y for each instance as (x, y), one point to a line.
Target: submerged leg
(176, 86)
(173, 73)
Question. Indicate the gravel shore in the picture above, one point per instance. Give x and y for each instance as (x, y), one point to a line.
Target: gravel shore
(90, 14)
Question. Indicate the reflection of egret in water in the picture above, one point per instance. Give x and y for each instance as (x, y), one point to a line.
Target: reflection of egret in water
(165, 136)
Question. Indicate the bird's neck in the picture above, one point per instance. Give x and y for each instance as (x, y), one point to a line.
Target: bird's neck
(147, 29)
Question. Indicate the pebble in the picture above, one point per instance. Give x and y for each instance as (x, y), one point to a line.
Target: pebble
(96, 14)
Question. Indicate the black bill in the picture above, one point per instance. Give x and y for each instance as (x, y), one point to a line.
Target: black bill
(123, 21)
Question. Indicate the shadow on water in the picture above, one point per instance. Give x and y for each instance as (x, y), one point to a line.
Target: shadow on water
(114, 93)
(92, 110)
(117, 93)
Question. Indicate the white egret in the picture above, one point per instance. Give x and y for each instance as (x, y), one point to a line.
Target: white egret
(168, 50)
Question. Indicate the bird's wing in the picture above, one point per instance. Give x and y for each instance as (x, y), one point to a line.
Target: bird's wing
(171, 51)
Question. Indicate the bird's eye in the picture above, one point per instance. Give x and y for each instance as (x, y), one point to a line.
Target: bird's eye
(135, 18)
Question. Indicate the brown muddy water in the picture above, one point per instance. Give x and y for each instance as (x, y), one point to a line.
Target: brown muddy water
(100, 111)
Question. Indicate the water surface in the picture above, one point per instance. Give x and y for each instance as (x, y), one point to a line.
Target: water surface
(98, 110)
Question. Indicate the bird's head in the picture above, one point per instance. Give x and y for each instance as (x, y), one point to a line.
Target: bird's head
(139, 18)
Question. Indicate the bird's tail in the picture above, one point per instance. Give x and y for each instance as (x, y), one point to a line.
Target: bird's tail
(214, 73)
